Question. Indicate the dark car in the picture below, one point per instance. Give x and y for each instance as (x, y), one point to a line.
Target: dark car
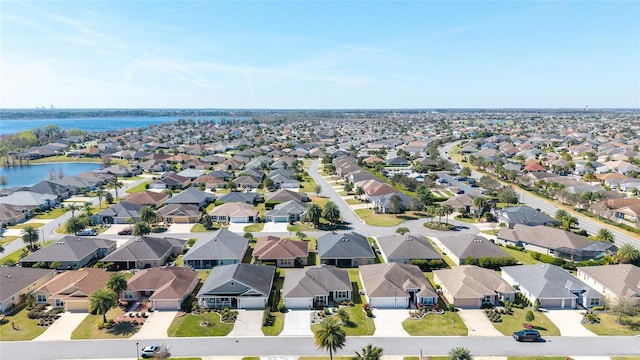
(527, 335)
(124, 232)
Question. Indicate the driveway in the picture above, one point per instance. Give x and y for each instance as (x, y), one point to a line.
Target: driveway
(297, 323)
(272, 227)
(568, 321)
(62, 328)
(237, 228)
(115, 228)
(478, 323)
(248, 323)
(179, 229)
(389, 322)
(156, 325)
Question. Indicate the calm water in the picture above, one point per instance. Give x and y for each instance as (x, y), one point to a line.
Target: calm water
(33, 174)
(97, 124)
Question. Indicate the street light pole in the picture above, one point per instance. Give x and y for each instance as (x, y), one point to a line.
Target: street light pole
(137, 351)
(42, 231)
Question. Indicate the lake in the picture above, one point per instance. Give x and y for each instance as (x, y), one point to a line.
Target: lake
(33, 174)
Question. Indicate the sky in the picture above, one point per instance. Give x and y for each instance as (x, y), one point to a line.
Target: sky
(320, 55)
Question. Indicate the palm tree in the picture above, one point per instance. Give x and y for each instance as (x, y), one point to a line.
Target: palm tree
(87, 208)
(590, 177)
(480, 202)
(459, 353)
(605, 235)
(117, 283)
(115, 184)
(330, 336)
(73, 207)
(314, 212)
(74, 225)
(627, 253)
(30, 236)
(369, 352)
(561, 214)
(331, 212)
(100, 193)
(148, 215)
(301, 235)
(446, 211)
(140, 229)
(101, 301)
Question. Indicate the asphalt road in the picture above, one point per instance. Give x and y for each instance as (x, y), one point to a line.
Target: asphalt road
(295, 346)
(590, 225)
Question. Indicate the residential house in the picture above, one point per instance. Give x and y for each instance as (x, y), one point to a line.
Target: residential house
(246, 182)
(165, 287)
(291, 211)
(222, 247)
(316, 287)
(234, 213)
(192, 196)
(71, 252)
(553, 286)
(145, 252)
(345, 250)
(210, 182)
(396, 286)
(470, 287)
(525, 215)
(404, 248)
(461, 248)
(284, 195)
(463, 201)
(556, 242)
(120, 213)
(150, 198)
(237, 286)
(71, 289)
(172, 181)
(285, 253)
(14, 214)
(18, 282)
(51, 188)
(383, 203)
(240, 197)
(179, 214)
(615, 282)
(30, 199)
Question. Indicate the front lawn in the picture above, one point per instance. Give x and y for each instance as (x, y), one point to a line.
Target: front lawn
(198, 228)
(52, 214)
(88, 328)
(25, 328)
(24, 225)
(8, 239)
(301, 227)
(511, 323)
(278, 325)
(138, 188)
(359, 324)
(353, 202)
(448, 324)
(373, 219)
(190, 325)
(318, 200)
(609, 325)
(522, 256)
(255, 227)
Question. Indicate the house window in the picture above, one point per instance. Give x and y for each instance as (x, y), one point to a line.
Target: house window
(594, 302)
(128, 295)
(342, 294)
(427, 301)
(285, 261)
(58, 303)
(486, 299)
(41, 298)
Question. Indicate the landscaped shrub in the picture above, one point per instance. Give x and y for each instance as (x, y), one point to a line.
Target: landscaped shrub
(266, 317)
(512, 247)
(282, 307)
(598, 308)
(369, 313)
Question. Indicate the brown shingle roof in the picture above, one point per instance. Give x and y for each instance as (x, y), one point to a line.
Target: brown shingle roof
(273, 247)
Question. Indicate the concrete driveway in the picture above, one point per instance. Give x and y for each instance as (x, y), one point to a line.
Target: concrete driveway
(237, 228)
(62, 328)
(389, 322)
(568, 321)
(248, 323)
(275, 227)
(156, 325)
(297, 323)
(179, 229)
(115, 228)
(478, 323)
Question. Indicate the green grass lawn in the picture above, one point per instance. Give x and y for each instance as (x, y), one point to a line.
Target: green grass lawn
(277, 326)
(256, 227)
(64, 158)
(359, 324)
(8, 239)
(88, 328)
(511, 323)
(210, 207)
(522, 256)
(466, 219)
(308, 185)
(301, 227)
(490, 232)
(12, 258)
(353, 201)
(538, 358)
(198, 228)
(26, 329)
(318, 200)
(52, 214)
(189, 325)
(326, 357)
(609, 325)
(373, 219)
(138, 188)
(24, 225)
(448, 324)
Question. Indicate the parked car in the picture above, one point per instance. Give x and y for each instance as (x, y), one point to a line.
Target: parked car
(88, 232)
(149, 351)
(125, 232)
(527, 335)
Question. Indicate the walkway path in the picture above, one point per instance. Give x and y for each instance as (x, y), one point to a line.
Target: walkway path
(62, 328)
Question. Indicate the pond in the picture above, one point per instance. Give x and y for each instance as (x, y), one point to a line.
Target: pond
(33, 174)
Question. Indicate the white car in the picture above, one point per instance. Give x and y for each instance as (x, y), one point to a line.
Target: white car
(149, 351)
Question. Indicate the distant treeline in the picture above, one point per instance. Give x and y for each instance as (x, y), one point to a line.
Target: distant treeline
(78, 113)
(35, 137)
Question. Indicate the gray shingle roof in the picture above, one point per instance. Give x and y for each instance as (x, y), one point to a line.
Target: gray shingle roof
(408, 246)
(222, 244)
(142, 248)
(315, 281)
(476, 246)
(68, 249)
(256, 277)
(14, 279)
(548, 281)
(344, 246)
(190, 196)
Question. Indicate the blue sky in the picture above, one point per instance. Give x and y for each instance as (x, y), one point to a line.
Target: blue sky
(304, 54)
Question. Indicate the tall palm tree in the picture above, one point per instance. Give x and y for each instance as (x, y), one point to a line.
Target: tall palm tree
(590, 177)
(117, 283)
(100, 193)
(627, 253)
(148, 215)
(115, 185)
(101, 301)
(30, 236)
(140, 229)
(74, 225)
(459, 353)
(87, 207)
(330, 336)
(447, 210)
(369, 352)
(73, 207)
(480, 202)
(314, 212)
(605, 235)
(331, 212)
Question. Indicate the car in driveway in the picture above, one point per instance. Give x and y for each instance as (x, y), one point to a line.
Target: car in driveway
(527, 335)
(124, 232)
(88, 232)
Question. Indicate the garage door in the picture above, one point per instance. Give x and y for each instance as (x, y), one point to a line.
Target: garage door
(389, 303)
(77, 305)
(298, 303)
(552, 303)
(252, 303)
(468, 303)
(166, 305)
